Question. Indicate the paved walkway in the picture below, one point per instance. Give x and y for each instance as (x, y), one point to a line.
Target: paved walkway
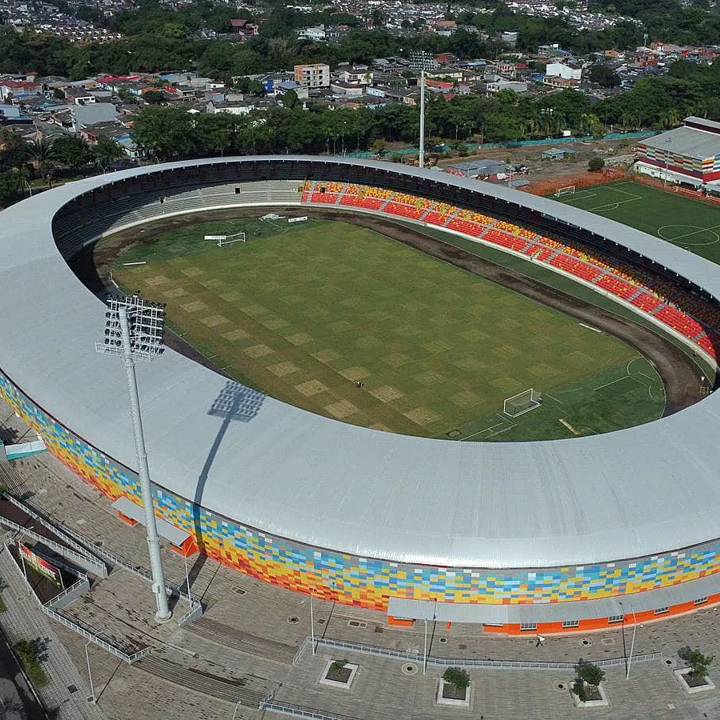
(23, 620)
(381, 690)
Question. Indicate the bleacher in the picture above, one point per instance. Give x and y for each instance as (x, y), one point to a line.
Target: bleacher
(685, 313)
(643, 290)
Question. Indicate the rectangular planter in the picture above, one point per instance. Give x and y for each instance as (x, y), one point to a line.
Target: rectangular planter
(440, 700)
(603, 702)
(324, 680)
(680, 675)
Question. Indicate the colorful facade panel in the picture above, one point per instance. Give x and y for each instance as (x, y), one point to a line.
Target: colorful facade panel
(366, 582)
(706, 169)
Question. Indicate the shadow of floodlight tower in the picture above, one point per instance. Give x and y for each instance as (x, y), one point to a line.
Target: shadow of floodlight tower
(234, 403)
(135, 329)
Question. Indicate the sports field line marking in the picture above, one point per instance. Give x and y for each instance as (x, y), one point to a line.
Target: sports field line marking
(613, 206)
(634, 196)
(612, 382)
(575, 197)
(711, 229)
(590, 327)
(503, 421)
(564, 422)
(552, 397)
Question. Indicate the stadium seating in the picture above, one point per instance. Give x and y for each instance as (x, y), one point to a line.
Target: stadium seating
(686, 313)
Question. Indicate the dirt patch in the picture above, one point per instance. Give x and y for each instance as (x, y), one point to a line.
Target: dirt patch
(614, 152)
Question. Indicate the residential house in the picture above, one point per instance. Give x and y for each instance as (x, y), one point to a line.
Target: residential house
(244, 28)
(312, 76)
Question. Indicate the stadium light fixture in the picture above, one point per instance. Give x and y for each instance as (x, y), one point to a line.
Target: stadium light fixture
(135, 329)
(422, 61)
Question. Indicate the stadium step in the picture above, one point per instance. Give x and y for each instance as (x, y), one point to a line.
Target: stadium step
(450, 218)
(231, 691)
(342, 194)
(637, 294)
(426, 212)
(659, 308)
(242, 641)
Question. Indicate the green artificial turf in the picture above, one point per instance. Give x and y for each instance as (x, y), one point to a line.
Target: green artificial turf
(305, 311)
(689, 223)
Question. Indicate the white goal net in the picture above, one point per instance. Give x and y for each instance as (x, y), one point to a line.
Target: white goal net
(567, 190)
(521, 403)
(221, 240)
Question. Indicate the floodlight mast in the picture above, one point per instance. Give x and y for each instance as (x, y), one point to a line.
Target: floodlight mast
(421, 150)
(145, 343)
(422, 61)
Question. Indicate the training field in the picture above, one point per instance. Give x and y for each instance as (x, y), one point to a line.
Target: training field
(691, 224)
(304, 311)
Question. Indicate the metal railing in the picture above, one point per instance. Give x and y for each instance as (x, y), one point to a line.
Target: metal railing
(473, 662)
(196, 607)
(74, 549)
(78, 588)
(75, 625)
(95, 638)
(299, 711)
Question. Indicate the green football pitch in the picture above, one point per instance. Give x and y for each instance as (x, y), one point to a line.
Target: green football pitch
(305, 312)
(691, 224)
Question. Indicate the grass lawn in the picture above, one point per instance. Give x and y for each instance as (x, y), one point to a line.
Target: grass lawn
(304, 311)
(691, 224)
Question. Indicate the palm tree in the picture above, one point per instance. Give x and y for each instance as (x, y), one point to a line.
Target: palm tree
(107, 152)
(43, 158)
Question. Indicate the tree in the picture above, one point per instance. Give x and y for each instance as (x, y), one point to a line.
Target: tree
(43, 157)
(604, 75)
(290, 99)
(154, 97)
(596, 164)
(107, 152)
(10, 187)
(167, 133)
(457, 677)
(126, 96)
(15, 151)
(589, 672)
(698, 663)
(71, 151)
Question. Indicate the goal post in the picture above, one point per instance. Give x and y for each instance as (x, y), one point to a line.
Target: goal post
(522, 403)
(221, 240)
(567, 190)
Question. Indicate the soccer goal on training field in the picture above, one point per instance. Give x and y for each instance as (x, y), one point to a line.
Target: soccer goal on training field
(221, 240)
(567, 190)
(521, 403)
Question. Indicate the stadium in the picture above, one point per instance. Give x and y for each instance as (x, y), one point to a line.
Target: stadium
(549, 536)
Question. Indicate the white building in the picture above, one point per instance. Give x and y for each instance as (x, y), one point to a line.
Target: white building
(358, 75)
(564, 71)
(316, 33)
(514, 85)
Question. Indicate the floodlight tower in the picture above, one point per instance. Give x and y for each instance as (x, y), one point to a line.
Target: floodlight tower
(134, 328)
(422, 61)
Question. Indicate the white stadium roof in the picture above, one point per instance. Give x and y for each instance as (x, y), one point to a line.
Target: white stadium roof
(297, 475)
